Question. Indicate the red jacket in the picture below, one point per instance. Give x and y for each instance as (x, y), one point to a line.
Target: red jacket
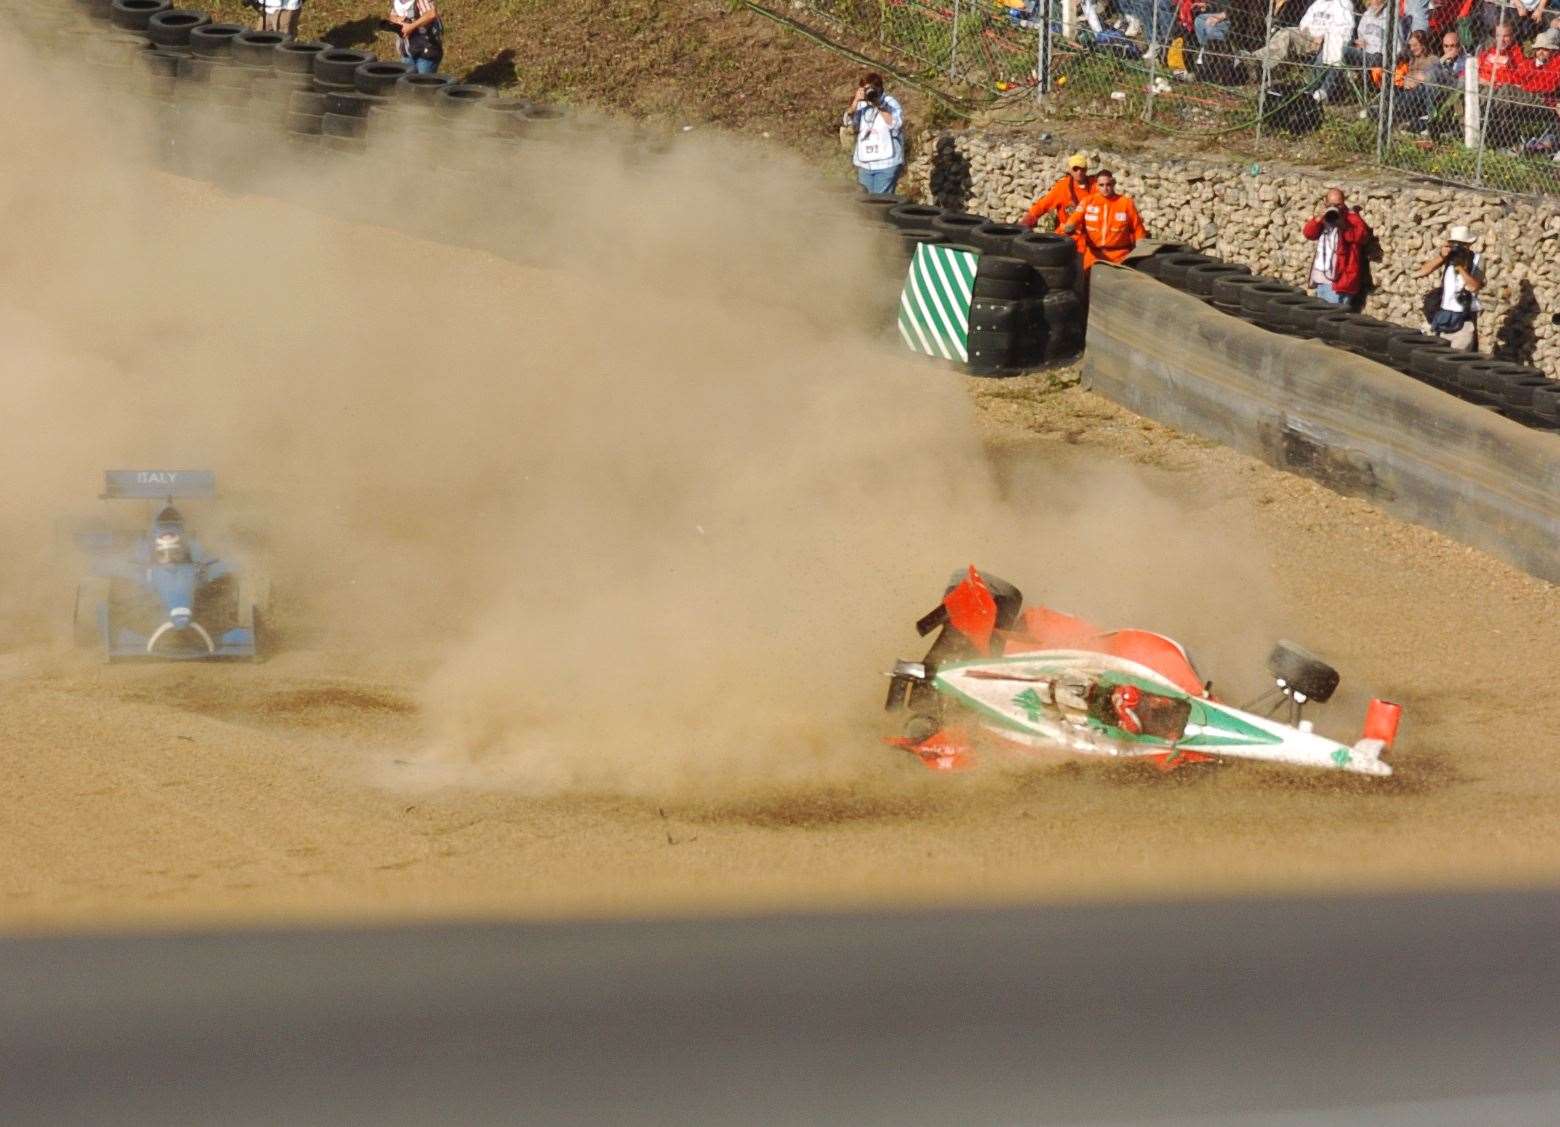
(1543, 80)
(1506, 73)
(1347, 263)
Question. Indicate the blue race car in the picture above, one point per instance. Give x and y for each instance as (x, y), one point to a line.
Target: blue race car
(160, 594)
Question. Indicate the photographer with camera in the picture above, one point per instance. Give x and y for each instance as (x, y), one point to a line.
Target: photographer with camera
(877, 123)
(1340, 235)
(421, 33)
(1452, 309)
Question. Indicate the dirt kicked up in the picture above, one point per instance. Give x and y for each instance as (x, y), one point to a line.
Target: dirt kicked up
(587, 570)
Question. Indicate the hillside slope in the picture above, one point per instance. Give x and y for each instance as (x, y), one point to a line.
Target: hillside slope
(678, 63)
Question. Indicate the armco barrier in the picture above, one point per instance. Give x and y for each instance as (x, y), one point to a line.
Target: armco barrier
(1348, 422)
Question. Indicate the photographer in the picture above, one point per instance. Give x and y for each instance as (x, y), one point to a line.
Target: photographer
(1340, 235)
(421, 33)
(878, 122)
(1452, 309)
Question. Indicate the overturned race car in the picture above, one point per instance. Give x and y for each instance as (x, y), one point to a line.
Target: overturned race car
(159, 593)
(1034, 678)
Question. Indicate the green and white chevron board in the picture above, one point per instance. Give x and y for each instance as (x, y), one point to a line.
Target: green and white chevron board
(934, 310)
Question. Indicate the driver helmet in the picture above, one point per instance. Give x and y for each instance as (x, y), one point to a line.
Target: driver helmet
(1125, 699)
(168, 547)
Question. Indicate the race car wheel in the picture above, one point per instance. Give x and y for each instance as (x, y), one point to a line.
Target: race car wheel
(1301, 671)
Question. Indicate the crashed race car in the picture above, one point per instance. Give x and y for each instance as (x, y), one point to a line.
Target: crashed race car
(160, 594)
(1034, 678)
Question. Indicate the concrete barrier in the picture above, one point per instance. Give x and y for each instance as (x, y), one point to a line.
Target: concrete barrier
(1350, 423)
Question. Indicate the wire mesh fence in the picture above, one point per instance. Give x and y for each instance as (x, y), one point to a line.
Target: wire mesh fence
(1468, 93)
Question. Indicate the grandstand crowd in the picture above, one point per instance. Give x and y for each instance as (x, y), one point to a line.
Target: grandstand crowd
(1344, 53)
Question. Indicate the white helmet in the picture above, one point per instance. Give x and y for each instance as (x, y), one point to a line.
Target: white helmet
(168, 547)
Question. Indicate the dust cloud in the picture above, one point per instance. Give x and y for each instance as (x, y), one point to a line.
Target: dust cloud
(646, 496)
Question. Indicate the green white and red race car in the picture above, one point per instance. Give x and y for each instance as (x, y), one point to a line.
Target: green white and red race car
(1033, 678)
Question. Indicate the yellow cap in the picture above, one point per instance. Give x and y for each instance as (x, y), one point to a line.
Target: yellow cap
(1078, 160)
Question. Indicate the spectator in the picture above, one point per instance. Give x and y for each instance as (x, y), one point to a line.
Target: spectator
(1415, 15)
(422, 33)
(1209, 20)
(1452, 62)
(1525, 16)
(879, 123)
(1340, 235)
(1153, 20)
(1452, 308)
(1502, 62)
(1533, 120)
(1416, 97)
(1531, 17)
(1368, 48)
(1106, 225)
(1321, 35)
(1064, 196)
(282, 16)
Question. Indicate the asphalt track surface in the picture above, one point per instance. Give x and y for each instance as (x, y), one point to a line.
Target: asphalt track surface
(1416, 1010)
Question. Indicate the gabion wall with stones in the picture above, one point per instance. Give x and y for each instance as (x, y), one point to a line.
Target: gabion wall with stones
(1254, 217)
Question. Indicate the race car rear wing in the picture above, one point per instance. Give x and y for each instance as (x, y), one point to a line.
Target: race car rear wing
(157, 484)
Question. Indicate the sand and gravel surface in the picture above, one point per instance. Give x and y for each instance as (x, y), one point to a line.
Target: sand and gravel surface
(296, 790)
(586, 578)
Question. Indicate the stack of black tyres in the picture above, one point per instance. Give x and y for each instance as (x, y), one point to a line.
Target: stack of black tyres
(1054, 259)
(1023, 310)
(913, 221)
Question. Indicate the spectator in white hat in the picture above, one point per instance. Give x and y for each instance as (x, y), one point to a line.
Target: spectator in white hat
(1452, 308)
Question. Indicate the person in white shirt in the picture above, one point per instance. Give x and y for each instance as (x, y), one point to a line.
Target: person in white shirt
(1367, 49)
(1322, 34)
(878, 121)
(1452, 311)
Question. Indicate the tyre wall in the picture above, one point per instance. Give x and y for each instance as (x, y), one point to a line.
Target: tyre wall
(1350, 423)
(1252, 214)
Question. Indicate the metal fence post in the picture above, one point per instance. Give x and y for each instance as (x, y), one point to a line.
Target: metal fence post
(1153, 62)
(1043, 65)
(953, 46)
(1484, 129)
(1267, 67)
(1388, 74)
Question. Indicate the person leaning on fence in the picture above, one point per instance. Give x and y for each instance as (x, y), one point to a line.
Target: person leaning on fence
(1320, 36)
(1106, 225)
(1338, 266)
(1063, 197)
(1452, 308)
(878, 121)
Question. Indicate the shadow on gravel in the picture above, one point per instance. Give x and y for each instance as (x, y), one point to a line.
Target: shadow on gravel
(816, 810)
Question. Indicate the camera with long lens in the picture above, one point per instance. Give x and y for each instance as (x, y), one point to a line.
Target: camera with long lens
(872, 95)
(1331, 215)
